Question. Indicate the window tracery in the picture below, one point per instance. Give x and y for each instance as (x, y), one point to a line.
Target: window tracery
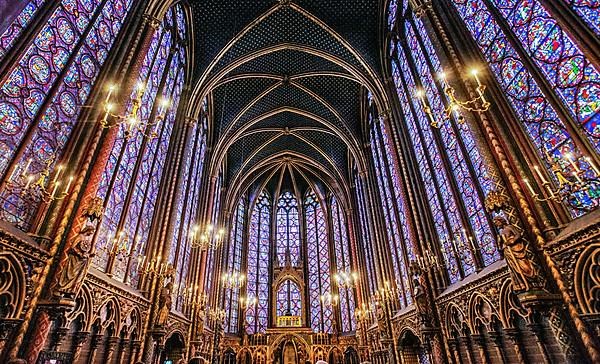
(43, 93)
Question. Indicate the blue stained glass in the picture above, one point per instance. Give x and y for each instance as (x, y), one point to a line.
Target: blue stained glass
(15, 28)
(319, 278)
(392, 9)
(28, 86)
(234, 264)
(540, 120)
(393, 230)
(258, 264)
(289, 299)
(570, 74)
(422, 141)
(288, 229)
(342, 263)
(366, 237)
(465, 182)
(131, 187)
(589, 11)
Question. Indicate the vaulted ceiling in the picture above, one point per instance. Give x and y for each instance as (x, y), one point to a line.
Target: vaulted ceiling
(286, 82)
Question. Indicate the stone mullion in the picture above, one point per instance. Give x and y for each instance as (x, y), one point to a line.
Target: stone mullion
(384, 258)
(370, 240)
(373, 214)
(448, 168)
(420, 216)
(387, 164)
(434, 176)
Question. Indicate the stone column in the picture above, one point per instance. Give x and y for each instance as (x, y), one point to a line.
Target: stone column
(78, 340)
(514, 335)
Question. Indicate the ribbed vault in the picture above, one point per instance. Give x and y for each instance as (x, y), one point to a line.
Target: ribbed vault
(287, 83)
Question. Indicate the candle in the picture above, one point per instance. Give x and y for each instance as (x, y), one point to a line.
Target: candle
(594, 168)
(58, 172)
(109, 94)
(474, 73)
(540, 175)
(529, 187)
(12, 174)
(472, 243)
(26, 167)
(54, 190)
(69, 185)
(572, 162)
(576, 175)
(29, 180)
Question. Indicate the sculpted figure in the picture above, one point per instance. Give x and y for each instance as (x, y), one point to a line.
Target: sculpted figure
(78, 257)
(518, 257)
(165, 304)
(419, 296)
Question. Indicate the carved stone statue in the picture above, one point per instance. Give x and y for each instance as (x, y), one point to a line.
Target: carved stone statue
(164, 304)
(519, 258)
(73, 273)
(419, 297)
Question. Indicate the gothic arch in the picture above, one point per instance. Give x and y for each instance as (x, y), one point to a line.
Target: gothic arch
(587, 279)
(13, 286)
(482, 313)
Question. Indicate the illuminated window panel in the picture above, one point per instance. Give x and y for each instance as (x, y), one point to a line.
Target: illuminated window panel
(288, 229)
(47, 87)
(258, 265)
(319, 277)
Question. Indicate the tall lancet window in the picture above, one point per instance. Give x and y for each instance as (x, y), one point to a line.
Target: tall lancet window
(455, 177)
(233, 264)
(209, 278)
(43, 91)
(366, 239)
(132, 177)
(258, 265)
(187, 207)
(288, 229)
(289, 299)
(395, 211)
(552, 86)
(343, 260)
(319, 277)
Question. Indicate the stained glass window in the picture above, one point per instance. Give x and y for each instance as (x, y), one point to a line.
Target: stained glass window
(42, 95)
(397, 231)
(209, 278)
(343, 255)
(187, 207)
(444, 155)
(319, 277)
(288, 229)
(289, 299)
(589, 11)
(11, 29)
(258, 265)
(231, 297)
(131, 181)
(567, 74)
(366, 239)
